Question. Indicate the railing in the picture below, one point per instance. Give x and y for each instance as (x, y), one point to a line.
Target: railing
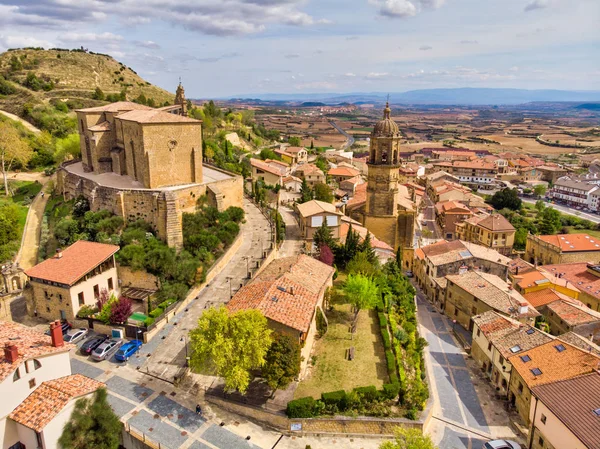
(141, 436)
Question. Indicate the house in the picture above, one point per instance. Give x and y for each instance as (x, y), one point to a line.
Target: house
(551, 174)
(519, 266)
(270, 174)
(350, 185)
(292, 184)
(313, 213)
(545, 364)
(292, 155)
(311, 174)
(564, 316)
(572, 192)
(37, 387)
(566, 413)
(497, 337)
(583, 276)
(74, 277)
(476, 172)
(540, 279)
(289, 292)
(339, 174)
(449, 214)
(581, 342)
(561, 248)
(491, 230)
(474, 292)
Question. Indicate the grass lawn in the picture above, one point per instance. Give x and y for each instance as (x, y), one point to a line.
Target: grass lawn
(332, 371)
(590, 232)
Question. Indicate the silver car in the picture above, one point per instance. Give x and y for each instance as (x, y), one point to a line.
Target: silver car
(501, 444)
(106, 349)
(74, 335)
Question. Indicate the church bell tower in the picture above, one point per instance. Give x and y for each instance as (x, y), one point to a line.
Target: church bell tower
(180, 99)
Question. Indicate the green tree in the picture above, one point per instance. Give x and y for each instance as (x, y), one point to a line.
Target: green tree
(67, 148)
(306, 193)
(508, 198)
(233, 344)
(323, 236)
(361, 292)
(360, 264)
(367, 248)
(550, 221)
(323, 192)
(282, 362)
(322, 163)
(539, 190)
(295, 141)
(520, 239)
(93, 425)
(9, 223)
(12, 149)
(540, 205)
(406, 438)
(98, 94)
(346, 252)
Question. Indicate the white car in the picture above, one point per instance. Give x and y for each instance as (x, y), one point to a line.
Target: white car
(501, 444)
(74, 335)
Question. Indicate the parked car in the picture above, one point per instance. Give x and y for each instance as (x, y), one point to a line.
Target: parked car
(92, 343)
(127, 350)
(409, 274)
(65, 327)
(501, 444)
(106, 349)
(74, 335)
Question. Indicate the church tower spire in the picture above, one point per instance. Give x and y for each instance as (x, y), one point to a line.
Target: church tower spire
(180, 99)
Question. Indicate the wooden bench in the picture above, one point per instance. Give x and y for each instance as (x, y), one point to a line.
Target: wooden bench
(351, 353)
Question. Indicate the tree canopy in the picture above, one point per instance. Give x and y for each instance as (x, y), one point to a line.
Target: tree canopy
(282, 362)
(361, 291)
(322, 192)
(508, 198)
(231, 343)
(12, 149)
(409, 439)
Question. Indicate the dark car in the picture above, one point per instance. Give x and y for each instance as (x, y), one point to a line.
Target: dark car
(65, 327)
(88, 347)
(127, 350)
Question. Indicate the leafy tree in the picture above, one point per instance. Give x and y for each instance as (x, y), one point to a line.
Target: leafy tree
(322, 163)
(323, 236)
(540, 205)
(508, 198)
(295, 141)
(13, 149)
(67, 148)
(361, 292)
(93, 425)
(539, 190)
(98, 94)
(282, 362)
(520, 239)
(367, 248)
(406, 438)
(326, 255)
(360, 264)
(306, 193)
(550, 221)
(121, 310)
(234, 344)
(322, 192)
(268, 153)
(9, 223)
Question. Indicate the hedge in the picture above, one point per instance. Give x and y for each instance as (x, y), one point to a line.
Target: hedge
(156, 312)
(337, 398)
(385, 335)
(369, 393)
(390, 391)
(391, 366)
(301, 408)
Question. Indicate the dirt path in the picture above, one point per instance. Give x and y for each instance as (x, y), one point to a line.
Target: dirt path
(30, 242)
(25, 123)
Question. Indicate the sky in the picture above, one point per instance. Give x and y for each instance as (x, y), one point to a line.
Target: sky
(223, 48)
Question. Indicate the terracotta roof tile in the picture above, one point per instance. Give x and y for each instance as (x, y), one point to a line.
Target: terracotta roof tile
(262, 165)
(30, 343)
(492, 323)
(554, 364)
(314, 207)
(77, 260)
(573, 314)
(572, 242)
(574, 401)
(343, 171)
(303, 269)
(577, 275)
(48, 400)
(521, 339)
(496, 222)
(119, 106)
(546, 296)
(581, 342)
(155, 116)
(520, 265)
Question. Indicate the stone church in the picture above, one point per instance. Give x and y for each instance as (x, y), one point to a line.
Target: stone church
(146, 163)
(388, 211)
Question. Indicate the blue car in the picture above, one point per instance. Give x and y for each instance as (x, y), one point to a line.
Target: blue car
(127, 350)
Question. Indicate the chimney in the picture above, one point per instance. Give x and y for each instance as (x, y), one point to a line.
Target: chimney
(516, 271)
(11, 353)
(292, 291)
(58, 253)
(56, 334)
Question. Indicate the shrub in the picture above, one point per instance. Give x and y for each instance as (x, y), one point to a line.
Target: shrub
(301, 408)
(411, 413)
(86, 311)
(368, 394)
(148, 321)
(390, 391)
(337, 398)
(391, 365)
(156, 313)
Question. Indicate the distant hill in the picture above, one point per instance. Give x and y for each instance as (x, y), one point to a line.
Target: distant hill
(589, 106)
(458, 96)
(68, 75)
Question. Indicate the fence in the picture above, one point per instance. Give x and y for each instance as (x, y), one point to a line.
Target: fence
(136, 439)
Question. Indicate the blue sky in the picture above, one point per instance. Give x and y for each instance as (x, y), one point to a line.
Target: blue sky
(230, 47)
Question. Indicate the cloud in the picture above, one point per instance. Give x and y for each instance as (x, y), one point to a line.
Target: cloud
(321, 85)
(536, 4)
(350, 75)
(425, 47)
(468, 42)
(91, 37)
(376, 75)
(223, 18)
(292, 56)
(147, 44)
(404, 8)
(23, 41)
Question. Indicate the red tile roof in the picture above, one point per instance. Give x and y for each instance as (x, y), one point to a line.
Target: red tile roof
(261, 165)
(546, 296)
(572, 242)
(573, 314)
(343, 171)
(77, 260)
(50, 398)
(577, 275)
(30, 343)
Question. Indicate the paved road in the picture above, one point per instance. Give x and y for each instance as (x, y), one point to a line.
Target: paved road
(458, 419)
(568, 210)
(293, 242)
(25, 123)
(168, 349)
(349, 138)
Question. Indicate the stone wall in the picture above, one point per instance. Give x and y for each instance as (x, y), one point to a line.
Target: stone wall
(138, 279)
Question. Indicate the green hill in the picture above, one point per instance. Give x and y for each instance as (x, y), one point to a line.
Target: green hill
(44, 77)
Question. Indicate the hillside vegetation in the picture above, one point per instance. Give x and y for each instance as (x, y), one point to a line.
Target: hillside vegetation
(31, 77)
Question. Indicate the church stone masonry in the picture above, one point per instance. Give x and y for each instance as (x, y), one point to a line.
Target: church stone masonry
(144, 163)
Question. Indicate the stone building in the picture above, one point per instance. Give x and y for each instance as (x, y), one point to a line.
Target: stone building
(313, 213)
(388, 211)
(73, 278)
(561, 248)
(491, 230)
(12, 282)
(144, 163)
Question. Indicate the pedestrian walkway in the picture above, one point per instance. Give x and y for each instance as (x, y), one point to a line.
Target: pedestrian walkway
(30, 242)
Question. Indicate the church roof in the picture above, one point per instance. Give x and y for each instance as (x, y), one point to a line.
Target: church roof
(155, 116)
(118, 107)
(386, 126)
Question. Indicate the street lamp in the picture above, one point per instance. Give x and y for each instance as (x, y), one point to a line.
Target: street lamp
(229, 279)
(185, 343)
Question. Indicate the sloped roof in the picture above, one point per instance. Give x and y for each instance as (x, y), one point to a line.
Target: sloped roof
(491, 323)
(573, 314)
(520, 339)
(100, 127)
(496, 222)
(578, 276)
(77, 260)
(265, 167)
(519, 265)
(118, 107)
(343, 171)
(30, 343)
(581, 342)
(572, 242)
(546, 296)
(50, 398)
(155, 116)
(314, 207)
(573, 401)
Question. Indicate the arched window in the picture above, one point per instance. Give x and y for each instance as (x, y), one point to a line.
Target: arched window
(36, 364)
(384, 156)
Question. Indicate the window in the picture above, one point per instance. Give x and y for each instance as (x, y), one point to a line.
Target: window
(110, 284)
(36, 364)
(560, 348)
(525, 358)
(489, 346)
(478, 332)
(541, 441)
(455, 312)
(96, 291)
(501, 360)
(46, 294)
(536, 371)
(529, 331)
(81, 298)
(515, 349)
(16, 375)
(543, 419)
(60, 298)
(32, 383)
